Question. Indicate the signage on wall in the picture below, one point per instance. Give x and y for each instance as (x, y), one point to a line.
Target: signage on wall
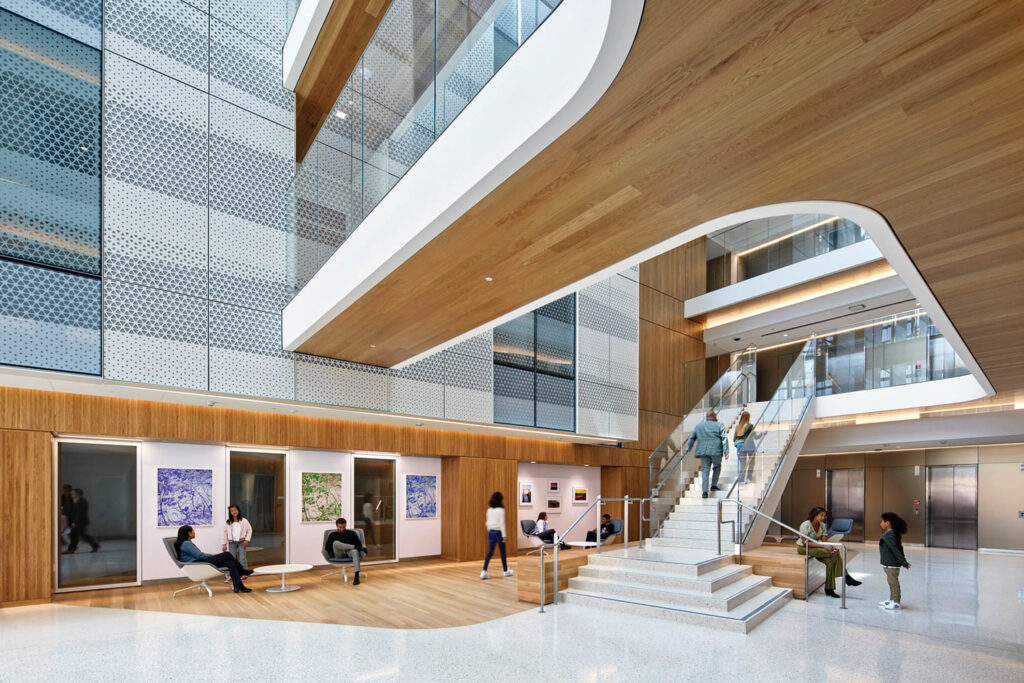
(917, 470)
(917, 501)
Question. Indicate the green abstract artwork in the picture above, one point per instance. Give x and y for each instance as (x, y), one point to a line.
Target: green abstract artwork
(321, 496)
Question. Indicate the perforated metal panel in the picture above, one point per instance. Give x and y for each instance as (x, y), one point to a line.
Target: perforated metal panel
(49, 319)
(246, 355)
(49, 147)
(78, 19)
(247, 73)
(165, 35)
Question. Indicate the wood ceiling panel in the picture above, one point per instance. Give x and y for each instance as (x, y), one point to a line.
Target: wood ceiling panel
(346, 32)
(912, 108)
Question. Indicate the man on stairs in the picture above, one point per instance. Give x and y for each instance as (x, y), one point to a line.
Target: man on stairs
(712, 443)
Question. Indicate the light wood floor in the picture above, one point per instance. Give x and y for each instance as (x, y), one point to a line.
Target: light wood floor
(414, 594)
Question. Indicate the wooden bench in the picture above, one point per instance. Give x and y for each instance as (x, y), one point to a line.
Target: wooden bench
(569, 563)
(785, 565)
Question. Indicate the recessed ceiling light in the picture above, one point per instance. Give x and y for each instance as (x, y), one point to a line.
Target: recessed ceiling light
(533, 462)
(419, 424)
(211, 403)
(341, 115)
(586, 465)
(857, 307)
(373, 346)
(784, 334)
(291, 410)
(489, 279)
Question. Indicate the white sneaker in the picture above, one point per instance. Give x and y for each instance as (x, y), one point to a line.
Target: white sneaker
(508, 572)
(893, 606)
(883, 603)
(484, 575)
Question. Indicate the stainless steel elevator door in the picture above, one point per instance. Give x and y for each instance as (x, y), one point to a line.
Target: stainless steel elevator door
(953, 506)
(844, 497)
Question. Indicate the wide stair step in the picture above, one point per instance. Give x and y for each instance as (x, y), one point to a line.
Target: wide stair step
(651, 577)
(741, 618)
(679, 596)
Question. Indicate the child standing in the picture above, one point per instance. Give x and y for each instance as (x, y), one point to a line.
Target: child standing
(890, 547)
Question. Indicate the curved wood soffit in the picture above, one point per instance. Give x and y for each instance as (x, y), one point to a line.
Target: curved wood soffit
(912, 108)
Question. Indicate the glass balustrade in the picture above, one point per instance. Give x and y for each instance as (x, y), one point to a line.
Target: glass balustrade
(668, 472)
(426, 61)
(760, 246)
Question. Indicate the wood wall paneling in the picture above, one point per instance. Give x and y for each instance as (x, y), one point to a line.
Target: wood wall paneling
(26, 516)
(467, 485)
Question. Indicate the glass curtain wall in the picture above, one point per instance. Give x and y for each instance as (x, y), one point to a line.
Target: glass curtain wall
(427, 60)
(900, 349)
(535, 368)
(374, 481)
(49, 198)
(257, 487)
(97, 511)
(760, 246)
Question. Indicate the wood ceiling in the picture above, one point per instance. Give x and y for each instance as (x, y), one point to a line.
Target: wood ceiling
(346, 32)
(913, 108)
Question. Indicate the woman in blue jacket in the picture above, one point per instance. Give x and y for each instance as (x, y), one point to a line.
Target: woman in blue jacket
(188, 552)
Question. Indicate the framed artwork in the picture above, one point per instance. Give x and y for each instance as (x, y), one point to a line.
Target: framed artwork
(554, 506)
(321, 496)
(579, 496)
(421, 496)
(184, 496)
(554, 486)
(525, 493)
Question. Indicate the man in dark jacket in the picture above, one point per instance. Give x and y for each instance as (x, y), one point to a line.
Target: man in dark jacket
(343, 542)
(79, 520)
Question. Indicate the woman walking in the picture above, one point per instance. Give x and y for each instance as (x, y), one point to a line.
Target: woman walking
(495, 523)
(890, 547)
(815, 528)
(744, 461)
(237, 535)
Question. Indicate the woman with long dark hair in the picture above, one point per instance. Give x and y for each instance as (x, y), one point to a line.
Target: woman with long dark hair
(816, 529)
(744, 459)
(188, 552)
(890, 547)
(494, 521)
(237, 534)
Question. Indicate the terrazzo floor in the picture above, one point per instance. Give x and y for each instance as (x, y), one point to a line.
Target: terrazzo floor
(964, 620)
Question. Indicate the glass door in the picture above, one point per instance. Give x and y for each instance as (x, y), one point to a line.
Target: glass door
(374, 480)
(97, 515)
(257, 487)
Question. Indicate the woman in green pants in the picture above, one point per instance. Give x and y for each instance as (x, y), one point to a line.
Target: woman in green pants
(815, 528)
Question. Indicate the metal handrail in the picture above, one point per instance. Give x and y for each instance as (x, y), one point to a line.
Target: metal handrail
(807, 539)
(558, 538)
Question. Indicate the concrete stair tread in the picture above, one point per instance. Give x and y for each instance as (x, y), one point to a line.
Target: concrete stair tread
(631, 572)
(741, 618)
(667, 592)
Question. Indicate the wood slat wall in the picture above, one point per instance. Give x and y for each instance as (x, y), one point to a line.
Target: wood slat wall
(466, 488)
(26, 516)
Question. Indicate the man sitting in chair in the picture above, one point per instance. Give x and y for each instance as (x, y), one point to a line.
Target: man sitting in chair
(606, 530)
(345, 542)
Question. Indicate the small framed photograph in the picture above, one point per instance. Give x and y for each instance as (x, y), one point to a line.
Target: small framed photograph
(554, 486)
(554, 506)
(579, 496)
(525, 493)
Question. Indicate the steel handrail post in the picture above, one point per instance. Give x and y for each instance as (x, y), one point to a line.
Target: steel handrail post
(625, 524)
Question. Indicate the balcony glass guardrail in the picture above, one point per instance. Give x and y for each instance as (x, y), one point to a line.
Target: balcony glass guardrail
(761, 246)
(427, 60)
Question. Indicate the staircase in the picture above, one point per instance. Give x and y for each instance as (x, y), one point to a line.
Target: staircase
(678, 573)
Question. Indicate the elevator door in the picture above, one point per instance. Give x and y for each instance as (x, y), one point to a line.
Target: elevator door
(953, 506)
(845, 498)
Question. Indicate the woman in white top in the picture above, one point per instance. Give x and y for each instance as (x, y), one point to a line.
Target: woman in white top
(545, 532)
(495, 523)
(237, 534)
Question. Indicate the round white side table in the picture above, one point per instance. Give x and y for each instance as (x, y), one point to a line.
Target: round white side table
(283, 570)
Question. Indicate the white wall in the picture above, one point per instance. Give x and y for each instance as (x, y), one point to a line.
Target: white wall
(568, 476)
(417, 537)
(156, 563)
(306, 538)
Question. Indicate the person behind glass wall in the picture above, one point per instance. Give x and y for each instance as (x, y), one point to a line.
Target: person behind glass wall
(345, 542)
(494, 522)
(237, 535)
(188, 552)
(814, 527)
(65, 512)
(369, 509)
(546, 533)
(79, 521)
(745, 461)
(606, 530)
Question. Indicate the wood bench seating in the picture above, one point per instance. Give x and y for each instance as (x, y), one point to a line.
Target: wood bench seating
(569, 563)
(785, 565)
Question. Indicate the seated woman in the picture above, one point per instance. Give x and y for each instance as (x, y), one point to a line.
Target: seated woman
(815, 528)
(546, 533)
(188, 552)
